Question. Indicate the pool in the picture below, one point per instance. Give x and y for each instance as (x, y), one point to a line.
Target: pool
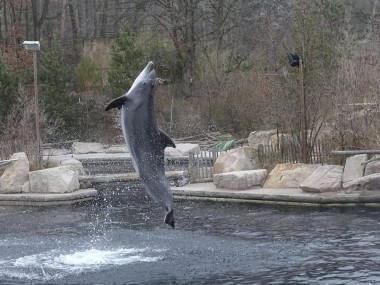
(120, 239)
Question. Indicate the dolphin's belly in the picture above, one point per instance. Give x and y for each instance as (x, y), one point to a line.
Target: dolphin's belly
(146, 156)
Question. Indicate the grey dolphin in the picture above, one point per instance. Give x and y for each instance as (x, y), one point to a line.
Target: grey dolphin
(145, 141)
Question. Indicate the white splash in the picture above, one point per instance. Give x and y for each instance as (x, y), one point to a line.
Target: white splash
(54, 264)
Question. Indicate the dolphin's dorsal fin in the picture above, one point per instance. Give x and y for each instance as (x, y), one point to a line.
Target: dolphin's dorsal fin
(116, 103)
(165, 139)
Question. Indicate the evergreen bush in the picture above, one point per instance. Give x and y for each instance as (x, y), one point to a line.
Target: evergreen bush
(8, 89)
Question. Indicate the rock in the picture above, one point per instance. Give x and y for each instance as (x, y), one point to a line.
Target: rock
(240, 180)
(366, 183)
(289, 175)
(83, 148)
(182, 149)
(238, 159)
(353, 168)
(172, 152)
(260, 138)
(26, 187)
(76, 164)
(15, 175)
(62, 179)
(56, 151)
(116, 149)
(324, 179)
(281, 140)
(373, 167)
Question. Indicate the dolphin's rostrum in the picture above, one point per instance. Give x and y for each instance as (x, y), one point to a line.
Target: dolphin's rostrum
(145, 141)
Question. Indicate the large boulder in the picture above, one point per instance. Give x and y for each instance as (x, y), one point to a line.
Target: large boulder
(289, 175)
(373, 166)
(366, 183)
(258, 138)
(76, 164)
(238, 159)
(84, 147)
(354, 168)
(56, 151)
(240, 180)
(182, 149)
(116, 149)
(62, 179)
(15, 175)
(324, 179)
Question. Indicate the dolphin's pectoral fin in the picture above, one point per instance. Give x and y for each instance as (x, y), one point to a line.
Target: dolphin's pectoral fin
(117, 103)
(165, 139)
(169, 219)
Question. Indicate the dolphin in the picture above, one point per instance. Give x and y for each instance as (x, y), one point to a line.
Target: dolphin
(145, 141)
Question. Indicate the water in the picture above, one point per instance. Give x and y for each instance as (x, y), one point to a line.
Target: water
(121, 239)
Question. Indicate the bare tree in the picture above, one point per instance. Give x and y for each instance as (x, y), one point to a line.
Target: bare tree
(38, 20)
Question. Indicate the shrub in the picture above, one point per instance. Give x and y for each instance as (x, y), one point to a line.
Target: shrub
(126, 62)
(8, 88)
(88, 74)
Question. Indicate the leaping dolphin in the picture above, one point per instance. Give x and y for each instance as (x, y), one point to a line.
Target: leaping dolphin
(145, 141)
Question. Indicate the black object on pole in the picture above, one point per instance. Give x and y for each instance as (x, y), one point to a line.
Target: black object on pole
(294, 59)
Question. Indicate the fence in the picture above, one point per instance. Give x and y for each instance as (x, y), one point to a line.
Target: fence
(201, 166)
(320, 152)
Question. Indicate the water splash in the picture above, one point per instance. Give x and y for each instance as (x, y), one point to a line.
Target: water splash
(57, 264)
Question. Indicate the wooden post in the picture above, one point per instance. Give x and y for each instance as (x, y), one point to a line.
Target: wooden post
(37, 111)
(303, 140)
(191, 166)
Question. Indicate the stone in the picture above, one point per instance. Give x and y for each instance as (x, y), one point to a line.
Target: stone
(56, 151)
(172, 152)
(182, 149)
(281, 140)
(15, 175)
(257, 138)
(76, 164)
(238, 159)
(240, 180)
(324, 179)
(116, 149)
(62, 179)
(26, 187)
(354, 168)
(366, 183)
(373, 167)
(83, 148)
(289, 175)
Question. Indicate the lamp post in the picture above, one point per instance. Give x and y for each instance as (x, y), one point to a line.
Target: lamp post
(296, 61)
(35, 46)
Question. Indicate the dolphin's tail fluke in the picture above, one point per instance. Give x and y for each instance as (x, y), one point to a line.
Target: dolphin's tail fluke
(169, 219)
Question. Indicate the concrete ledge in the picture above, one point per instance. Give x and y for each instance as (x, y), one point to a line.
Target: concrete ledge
(124, 177)
(41, 199)
(276, 196)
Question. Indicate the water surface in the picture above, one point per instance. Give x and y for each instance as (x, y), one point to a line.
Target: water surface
(120, 239)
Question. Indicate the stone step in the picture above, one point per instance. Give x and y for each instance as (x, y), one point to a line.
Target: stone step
(93, 166)
(177, 178)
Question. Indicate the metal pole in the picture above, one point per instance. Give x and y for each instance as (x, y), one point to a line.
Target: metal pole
(303, 140)
(37, 113)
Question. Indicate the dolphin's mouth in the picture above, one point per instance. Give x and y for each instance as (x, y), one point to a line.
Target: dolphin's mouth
(150, 72)
(150, 67)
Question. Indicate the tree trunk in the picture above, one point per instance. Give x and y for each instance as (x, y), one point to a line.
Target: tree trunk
(74, 32)
(5, 23)
(104, 20)
(38, 21)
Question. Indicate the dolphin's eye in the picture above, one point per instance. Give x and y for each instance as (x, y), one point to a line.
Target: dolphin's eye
(144, 83)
